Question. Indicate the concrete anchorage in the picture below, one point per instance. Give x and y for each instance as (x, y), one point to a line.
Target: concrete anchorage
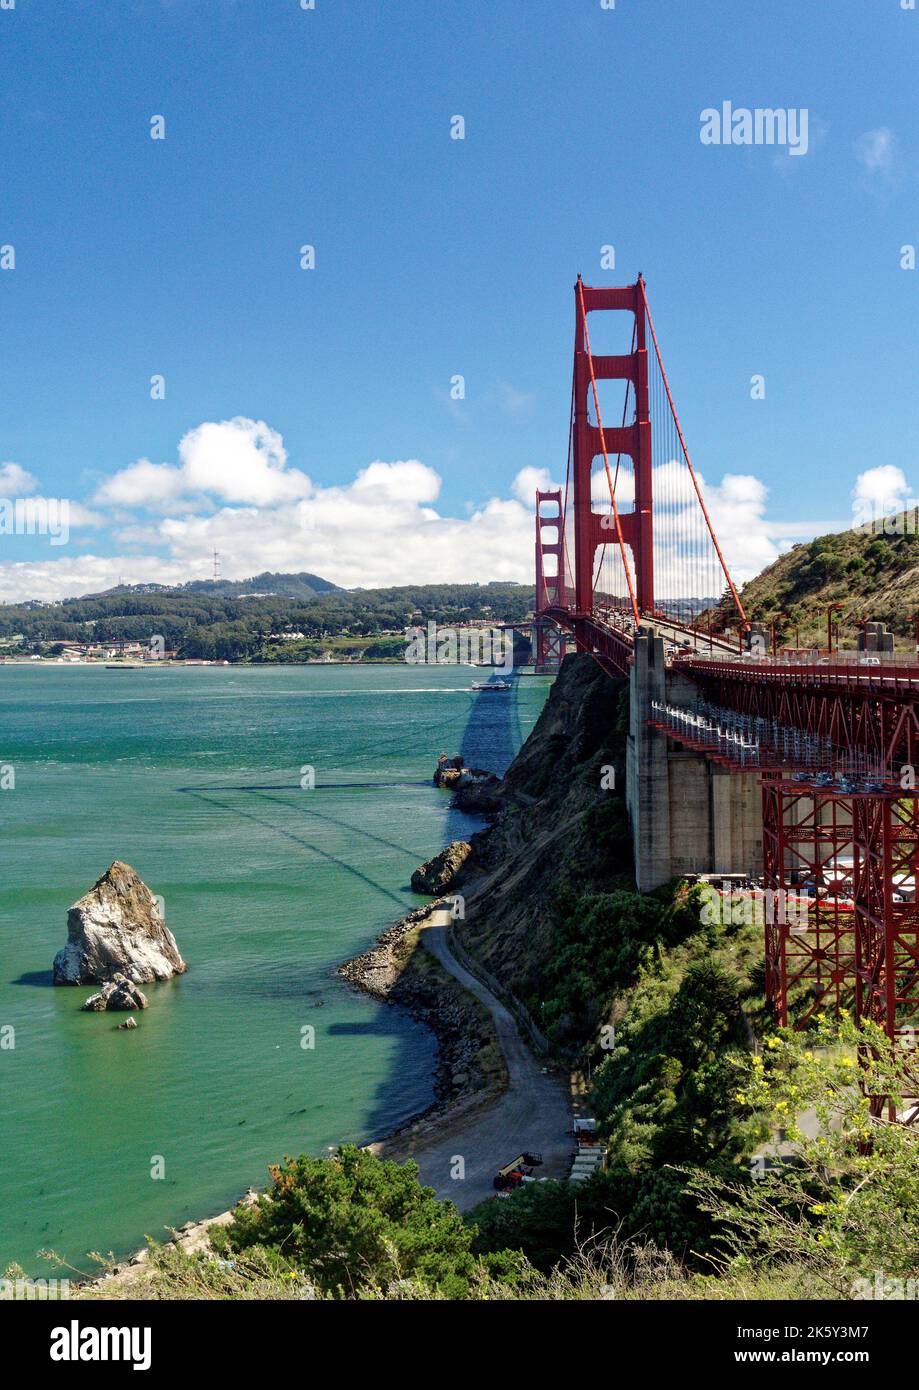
(688, 815)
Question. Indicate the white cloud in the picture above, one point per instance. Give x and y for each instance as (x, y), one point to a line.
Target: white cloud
(15, 481)
(143, 484)
(403, 481)
(238, 460)
(884, 486)
(529, 480)
(73, 575)
(685, 561)
(875, 151)
(232, 490)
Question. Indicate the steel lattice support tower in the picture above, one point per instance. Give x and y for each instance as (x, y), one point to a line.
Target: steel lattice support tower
(859, 946)
(805, 836)
(633, 439)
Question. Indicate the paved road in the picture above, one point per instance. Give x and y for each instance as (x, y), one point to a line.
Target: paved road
(534, 1113)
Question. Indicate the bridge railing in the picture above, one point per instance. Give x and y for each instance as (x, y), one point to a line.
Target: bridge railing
(891, 679)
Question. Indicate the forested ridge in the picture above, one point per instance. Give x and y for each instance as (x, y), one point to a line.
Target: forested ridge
(203, 621)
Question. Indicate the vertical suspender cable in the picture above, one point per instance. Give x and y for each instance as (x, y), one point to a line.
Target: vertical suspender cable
(692, 473)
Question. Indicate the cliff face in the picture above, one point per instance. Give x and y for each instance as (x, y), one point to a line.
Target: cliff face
(555, 822)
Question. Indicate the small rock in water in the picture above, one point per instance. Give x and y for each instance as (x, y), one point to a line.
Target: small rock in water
(440, 872)
(128, 1023)
(119, 995)
(117, 928)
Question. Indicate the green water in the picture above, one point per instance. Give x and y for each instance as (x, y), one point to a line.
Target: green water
(193, 777)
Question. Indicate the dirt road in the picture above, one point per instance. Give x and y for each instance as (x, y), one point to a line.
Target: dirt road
(534, 1113)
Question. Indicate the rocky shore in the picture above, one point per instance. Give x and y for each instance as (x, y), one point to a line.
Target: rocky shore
(397, 970)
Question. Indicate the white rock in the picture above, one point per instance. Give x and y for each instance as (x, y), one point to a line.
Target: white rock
(117, 928)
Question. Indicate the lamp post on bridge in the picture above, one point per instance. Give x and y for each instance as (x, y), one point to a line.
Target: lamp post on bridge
(779, 617)
(829, 626)
(914, 618)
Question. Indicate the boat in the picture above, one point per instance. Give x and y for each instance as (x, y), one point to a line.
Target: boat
(492, 685)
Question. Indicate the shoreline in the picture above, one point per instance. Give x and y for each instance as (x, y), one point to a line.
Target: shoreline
(461, 1086)
(470, 1072)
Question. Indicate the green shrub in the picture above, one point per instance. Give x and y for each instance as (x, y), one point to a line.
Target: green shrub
(355, 1220)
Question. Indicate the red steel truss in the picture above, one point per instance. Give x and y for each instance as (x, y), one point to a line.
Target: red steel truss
(849, 863)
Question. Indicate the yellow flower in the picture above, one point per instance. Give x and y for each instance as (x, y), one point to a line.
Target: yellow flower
(772, 1042)
(757, 1061)
(741, 1098)
(818, 1209)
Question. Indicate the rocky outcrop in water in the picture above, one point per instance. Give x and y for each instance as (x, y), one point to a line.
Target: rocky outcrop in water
(439, 874)
(120, 995)
(481, 797)
(115, 929)
(452, 774)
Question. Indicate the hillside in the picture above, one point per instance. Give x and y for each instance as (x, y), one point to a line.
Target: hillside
(552, 914)
(870, 575)
(302, 585)
(249, 624)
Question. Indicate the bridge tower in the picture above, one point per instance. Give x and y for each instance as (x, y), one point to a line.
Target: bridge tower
(550, 588)
(592, 440)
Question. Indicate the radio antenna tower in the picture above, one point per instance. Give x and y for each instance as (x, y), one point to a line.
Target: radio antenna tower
(216, 564)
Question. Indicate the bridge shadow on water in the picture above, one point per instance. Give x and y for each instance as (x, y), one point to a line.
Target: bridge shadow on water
(490, 740)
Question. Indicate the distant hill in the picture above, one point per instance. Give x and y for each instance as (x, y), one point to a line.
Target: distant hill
(269, 617)
(871, 574)
(266, 585)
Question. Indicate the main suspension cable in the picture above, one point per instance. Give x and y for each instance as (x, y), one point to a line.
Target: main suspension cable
(692, 471)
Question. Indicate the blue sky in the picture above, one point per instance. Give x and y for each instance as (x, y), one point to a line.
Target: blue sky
(435, 258)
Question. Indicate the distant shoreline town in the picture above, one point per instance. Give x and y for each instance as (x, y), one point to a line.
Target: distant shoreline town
(269, 620)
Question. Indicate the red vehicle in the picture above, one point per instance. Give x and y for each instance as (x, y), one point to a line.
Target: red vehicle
(513, 1173)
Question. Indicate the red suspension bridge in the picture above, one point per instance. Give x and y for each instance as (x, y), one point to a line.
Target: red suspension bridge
(627, 553)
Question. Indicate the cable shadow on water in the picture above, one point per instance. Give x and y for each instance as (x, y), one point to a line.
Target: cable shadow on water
(303, 842)
(490, 738)
(343, 824)
(415, 1049)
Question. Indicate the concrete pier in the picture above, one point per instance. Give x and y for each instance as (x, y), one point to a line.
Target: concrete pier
(688, 815)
